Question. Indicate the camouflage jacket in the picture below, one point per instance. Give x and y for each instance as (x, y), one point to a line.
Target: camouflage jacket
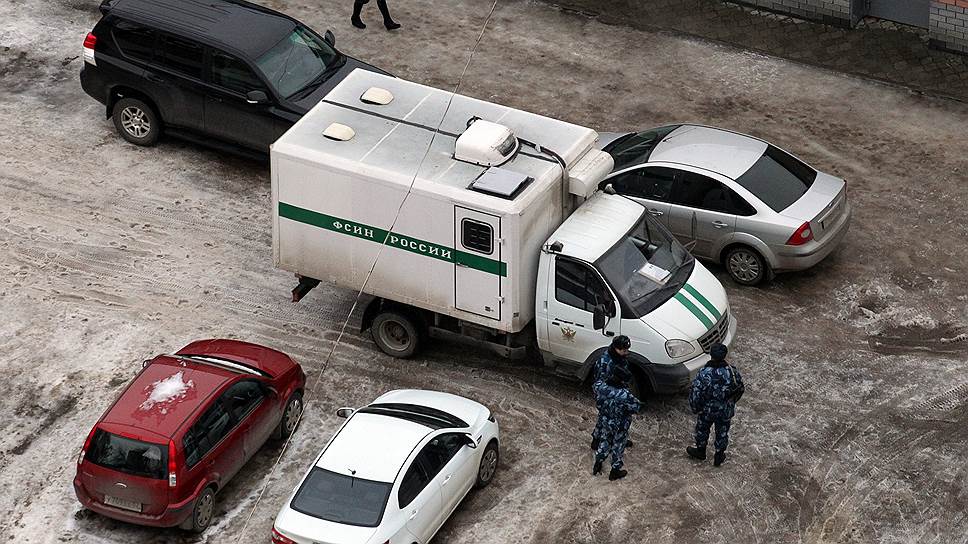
(617, 403)
(603, 368)
(715, 390)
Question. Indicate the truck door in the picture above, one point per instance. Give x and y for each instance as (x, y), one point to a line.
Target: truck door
(477, 262)
(576, 290)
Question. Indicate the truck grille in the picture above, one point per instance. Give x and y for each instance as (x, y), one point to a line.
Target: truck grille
(715, 334)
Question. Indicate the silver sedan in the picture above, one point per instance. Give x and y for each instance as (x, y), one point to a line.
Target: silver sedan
(731, 198)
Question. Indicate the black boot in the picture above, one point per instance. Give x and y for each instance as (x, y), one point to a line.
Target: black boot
(719, 458)
(597, 469)
(617, 474)
(628, 444)
(391, 24)
(595, 442)
(357, 22)
(696, 453)
(355, 19)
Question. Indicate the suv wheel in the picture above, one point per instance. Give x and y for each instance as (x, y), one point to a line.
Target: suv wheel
(745, 265)
(136, 122)
(396, 334)
(202, 512)
(290, 417)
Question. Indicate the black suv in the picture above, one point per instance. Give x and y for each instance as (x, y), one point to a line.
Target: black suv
(224, 69)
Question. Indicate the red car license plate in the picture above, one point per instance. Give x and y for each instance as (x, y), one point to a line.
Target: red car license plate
(122, 503)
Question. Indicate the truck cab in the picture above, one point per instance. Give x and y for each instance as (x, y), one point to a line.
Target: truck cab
(611, 269)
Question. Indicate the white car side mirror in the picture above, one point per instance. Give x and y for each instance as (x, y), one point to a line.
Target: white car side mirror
(469, 442)
(345, 412)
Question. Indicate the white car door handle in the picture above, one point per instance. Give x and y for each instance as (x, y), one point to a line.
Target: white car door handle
(446, 479)
(719, 224)
(413, 514)
(655, 212)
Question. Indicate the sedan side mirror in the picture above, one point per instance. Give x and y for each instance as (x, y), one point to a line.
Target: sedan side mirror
(610, 189)
(256, 97)
(345, 412)
(330, 38)
(469, 442)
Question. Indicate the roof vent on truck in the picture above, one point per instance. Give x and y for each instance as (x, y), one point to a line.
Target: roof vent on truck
(339, 132)
(485, 143)
(377, 96)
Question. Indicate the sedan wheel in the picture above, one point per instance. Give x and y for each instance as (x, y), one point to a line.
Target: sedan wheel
(290, 417)
(485, 473)
(745, 266)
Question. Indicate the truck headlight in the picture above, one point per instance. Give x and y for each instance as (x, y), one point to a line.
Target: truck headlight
(679, 348)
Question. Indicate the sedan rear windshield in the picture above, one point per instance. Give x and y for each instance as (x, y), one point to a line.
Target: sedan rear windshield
(778, 178)
(298, 62)
(635, 148)
(341, 499)
(128, 455)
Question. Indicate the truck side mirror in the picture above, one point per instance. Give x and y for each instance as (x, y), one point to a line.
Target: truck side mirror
(256, 97)
(598, 317)
(329, 38)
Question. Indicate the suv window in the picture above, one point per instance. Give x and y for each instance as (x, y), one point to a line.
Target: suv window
(135, 41)
(653, 183)
(579, 286)
(233, 74)
(211, 428)
(182, 56)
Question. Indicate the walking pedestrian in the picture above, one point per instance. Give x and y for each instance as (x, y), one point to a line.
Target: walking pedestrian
(715, 390)
(388, 21)
(616, 355)
(618, 405)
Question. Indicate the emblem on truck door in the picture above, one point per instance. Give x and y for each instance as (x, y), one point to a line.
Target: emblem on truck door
(568, 333)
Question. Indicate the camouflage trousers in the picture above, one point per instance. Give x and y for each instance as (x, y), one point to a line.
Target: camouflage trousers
(703, 423)
(614, 435)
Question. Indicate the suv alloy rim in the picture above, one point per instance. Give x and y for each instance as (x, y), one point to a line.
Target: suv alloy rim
(135, 121)
(488, 465)
(744, 265)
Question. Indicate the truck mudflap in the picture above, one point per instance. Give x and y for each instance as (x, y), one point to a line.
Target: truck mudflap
(306, 284)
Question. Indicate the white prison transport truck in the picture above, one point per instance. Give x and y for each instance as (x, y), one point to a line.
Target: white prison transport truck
(501, 237)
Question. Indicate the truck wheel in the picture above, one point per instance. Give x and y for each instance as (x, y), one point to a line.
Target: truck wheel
(640, 387)
(396, 333)
(136, 122)
(745, 265)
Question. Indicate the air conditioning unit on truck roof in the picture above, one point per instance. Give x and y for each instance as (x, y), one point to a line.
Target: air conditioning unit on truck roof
(494, 208)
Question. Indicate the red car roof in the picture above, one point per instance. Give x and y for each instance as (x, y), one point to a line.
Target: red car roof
(272, 362)
(165, 394)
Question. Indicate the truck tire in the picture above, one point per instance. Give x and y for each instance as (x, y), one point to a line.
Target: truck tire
(396, 333)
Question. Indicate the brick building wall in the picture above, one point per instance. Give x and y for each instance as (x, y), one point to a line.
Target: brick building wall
(948, 27)
(831, 12)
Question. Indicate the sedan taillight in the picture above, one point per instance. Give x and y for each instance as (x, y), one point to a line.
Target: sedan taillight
(802, 235)
(278, 538)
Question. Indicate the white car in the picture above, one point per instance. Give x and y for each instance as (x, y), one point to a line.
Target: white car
(393, 473)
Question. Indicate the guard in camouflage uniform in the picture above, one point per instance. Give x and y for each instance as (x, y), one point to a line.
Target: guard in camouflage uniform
(715, 390)
(616, 355)
(618, 405)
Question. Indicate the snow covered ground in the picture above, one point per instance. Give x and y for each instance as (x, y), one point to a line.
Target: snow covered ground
(853, 427)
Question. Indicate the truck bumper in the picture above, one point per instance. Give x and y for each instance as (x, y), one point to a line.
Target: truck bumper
(668, 379)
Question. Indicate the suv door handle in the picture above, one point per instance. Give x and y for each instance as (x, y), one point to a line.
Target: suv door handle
(655, 212)
(719, 224)
(154, 78)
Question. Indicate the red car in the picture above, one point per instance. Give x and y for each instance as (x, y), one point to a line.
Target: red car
(183, 427)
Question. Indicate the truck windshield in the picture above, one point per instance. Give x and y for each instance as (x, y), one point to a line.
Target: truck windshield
(646, 268)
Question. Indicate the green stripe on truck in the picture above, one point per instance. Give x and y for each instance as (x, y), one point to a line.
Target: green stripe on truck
(392, 239)
(703, 300)
(695, 310)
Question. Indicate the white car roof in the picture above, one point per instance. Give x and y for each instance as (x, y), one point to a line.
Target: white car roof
(728, 153)
(596, 226)
(466, 409)
(373, 445)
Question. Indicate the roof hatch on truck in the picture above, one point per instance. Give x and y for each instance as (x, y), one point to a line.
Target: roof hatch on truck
(485, 143)
(500, 182)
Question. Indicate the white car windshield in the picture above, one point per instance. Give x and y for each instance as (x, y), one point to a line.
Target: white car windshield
(341, 498)
(647, 268)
